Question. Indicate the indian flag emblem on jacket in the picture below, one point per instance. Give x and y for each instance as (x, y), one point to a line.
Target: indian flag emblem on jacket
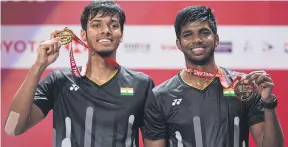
(228, 92)
(127, 91)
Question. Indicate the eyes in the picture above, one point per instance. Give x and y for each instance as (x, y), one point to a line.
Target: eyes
(202, 33)
(98, 25)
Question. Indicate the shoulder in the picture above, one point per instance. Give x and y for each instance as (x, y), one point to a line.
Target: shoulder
(61, 73)
(135, 75)
(58, 75)
(167, 86)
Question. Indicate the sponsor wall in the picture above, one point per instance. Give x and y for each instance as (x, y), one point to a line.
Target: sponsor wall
(246, 44)
(21, 50)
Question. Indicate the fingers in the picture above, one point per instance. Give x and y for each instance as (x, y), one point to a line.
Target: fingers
(267, 84)
(51, 46)
(252, 76)
(56, 55)
(254, 72)
(57, 43)
(55, 34)
(54, 46)
(263, 78)
(260, 78)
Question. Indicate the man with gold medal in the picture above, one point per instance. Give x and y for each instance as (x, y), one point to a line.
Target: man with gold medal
(100, 104)
(206, 105)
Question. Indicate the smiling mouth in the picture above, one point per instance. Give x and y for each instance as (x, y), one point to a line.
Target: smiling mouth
(197, 47)
(105, 41)
(199, 50)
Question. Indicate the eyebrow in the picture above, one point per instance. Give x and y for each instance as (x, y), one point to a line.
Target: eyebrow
(205, 29)
(187, 31)
(190, 31)
(99, 20)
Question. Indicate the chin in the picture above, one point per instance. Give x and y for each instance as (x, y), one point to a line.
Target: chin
(105, 53)
(101, 48)
(105, 50)
(200, 60)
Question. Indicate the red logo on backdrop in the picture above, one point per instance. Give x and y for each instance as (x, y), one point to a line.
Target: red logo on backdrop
(168, 47)
(19, 46)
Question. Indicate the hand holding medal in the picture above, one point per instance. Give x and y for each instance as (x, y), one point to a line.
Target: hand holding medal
(67, 36)
(262, 82)
(48, 52)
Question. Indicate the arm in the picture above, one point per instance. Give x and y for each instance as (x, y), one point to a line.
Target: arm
(155, 127)
(269, 132)
(23, 114)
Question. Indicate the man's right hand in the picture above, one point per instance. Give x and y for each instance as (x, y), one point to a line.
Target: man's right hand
(48, 51)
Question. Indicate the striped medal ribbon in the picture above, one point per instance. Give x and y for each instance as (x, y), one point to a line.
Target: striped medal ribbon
(243, 92)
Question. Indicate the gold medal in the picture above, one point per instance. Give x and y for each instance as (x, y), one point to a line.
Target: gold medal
(244, 92)
(65, 36)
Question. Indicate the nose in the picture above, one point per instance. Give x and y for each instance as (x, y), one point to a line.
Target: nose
(106, 30)
(197, 39)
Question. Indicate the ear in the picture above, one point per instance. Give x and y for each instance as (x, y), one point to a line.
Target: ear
(216, 40)
(121, 39)
(178, 43)
(83, 35)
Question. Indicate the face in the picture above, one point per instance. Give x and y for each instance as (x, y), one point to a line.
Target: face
(103, 34)
(197, 42)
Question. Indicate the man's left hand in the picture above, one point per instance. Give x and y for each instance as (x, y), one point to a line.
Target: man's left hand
(263, 82)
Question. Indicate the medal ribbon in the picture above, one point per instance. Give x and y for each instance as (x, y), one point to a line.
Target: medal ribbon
(244, 92)
(204, 74)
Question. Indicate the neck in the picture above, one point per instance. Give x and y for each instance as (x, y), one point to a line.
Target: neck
(98, 69)
(209, 67)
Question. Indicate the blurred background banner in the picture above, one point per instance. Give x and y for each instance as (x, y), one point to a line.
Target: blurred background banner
(253, 36)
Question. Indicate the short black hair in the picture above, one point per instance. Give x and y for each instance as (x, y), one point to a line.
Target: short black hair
(107, 8)
(194, 14)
